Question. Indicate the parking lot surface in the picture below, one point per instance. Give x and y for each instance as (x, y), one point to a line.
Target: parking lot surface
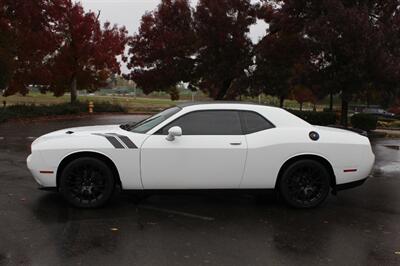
(358, 227)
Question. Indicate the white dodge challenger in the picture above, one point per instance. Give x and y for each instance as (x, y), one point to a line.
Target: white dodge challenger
(203, 146)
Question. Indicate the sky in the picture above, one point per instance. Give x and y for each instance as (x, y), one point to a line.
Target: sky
(129, 13)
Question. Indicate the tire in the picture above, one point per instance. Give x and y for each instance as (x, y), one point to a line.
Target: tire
(87, 183)
(305, 184)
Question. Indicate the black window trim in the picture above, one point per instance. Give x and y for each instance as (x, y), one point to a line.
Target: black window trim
(241, 121)
(244, 124)
(137, 124)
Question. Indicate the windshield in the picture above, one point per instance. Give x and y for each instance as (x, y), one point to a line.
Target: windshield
(149, 123)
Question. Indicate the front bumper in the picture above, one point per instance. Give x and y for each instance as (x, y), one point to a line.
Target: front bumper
(43, 175)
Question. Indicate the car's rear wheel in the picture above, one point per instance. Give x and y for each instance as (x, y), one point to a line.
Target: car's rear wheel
(305, 184)
(87, 182)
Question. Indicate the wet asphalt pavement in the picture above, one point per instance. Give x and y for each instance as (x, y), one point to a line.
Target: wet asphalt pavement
(358, 227)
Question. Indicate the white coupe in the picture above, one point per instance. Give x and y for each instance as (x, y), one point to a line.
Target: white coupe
(203, 146)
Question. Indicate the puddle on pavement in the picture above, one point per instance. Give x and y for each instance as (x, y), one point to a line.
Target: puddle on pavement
(389, 168)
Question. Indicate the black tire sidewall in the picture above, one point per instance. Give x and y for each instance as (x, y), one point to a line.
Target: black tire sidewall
(106, 171)
(283, 189)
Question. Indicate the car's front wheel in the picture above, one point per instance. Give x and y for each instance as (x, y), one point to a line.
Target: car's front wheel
(305, 184)
(87, 182)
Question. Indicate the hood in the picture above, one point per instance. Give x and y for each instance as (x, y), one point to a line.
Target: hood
(79, 131)
(89, 129)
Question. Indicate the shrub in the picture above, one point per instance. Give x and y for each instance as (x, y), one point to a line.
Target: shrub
(364, 121)
(3, 117)
(19, 111)
(107, 107)
(316, 118)
(42, 110)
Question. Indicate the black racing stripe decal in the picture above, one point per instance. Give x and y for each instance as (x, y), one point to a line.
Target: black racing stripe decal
(127, 141)
(115, 142)
(112, 140)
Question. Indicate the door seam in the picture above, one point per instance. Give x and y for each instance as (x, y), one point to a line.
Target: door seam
(245, 162)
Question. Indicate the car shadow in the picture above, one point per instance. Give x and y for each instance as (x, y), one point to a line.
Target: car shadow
(52, 208)
(219, 218)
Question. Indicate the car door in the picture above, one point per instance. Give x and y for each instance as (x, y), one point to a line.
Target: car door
(211, 153)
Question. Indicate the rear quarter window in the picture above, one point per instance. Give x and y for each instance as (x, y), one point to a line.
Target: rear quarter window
(253, 122)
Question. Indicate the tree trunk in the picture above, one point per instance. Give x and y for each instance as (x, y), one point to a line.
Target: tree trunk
(345, 109)
(281, 101)
(301, 106)
(314, 107)
(74, 92)
(222, 92)
(330, 101)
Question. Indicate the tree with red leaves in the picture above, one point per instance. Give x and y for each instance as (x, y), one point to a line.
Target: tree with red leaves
(208, 47)
(302, 94)
(280, 64)
(281, 55)
(351, 47)
(224, 51)
(87, 55)
(26, 40)
(5, 45)
(57, 46)
(162, 51)
(345, 41)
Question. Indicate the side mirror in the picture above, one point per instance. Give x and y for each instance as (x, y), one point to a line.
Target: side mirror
(174, 132)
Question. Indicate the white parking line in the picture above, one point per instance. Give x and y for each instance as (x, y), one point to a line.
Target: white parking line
(205, 218)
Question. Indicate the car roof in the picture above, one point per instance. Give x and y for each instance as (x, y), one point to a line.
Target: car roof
(224, 104)
(185, 104)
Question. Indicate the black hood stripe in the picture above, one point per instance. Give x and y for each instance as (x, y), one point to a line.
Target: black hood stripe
(127, 141)
(118, 141)
(112, 140)
(115, 142)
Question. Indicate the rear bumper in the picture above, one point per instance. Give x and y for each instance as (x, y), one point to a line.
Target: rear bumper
(355, 170)
(349, 185)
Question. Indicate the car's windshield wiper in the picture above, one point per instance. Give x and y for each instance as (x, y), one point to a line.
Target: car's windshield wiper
(128, 126)
(125, 126)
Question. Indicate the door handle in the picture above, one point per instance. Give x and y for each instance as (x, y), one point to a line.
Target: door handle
(236, 143)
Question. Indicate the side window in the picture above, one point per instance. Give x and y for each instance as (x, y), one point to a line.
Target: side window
(253, 122)
(213, 122)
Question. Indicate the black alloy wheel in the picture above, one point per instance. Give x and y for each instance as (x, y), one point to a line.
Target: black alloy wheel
(87, 182)
(305, 184)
